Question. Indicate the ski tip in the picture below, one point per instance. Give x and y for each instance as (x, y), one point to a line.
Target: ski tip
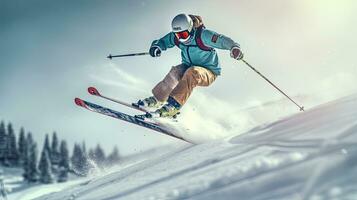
(93, 91)
(79, 102)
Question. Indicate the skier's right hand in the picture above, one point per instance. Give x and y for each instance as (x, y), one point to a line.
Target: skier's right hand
(236, 53)
(155, 51)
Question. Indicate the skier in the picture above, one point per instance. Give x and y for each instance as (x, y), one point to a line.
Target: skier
(199, 67)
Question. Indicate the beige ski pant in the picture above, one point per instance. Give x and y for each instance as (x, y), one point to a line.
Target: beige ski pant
(179, 83)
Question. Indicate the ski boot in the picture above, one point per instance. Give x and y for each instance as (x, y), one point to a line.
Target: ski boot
(166, 111)
(150, 102)
(169, 110)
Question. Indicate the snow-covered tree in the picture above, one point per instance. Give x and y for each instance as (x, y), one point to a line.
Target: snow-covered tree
(30, 160)
(114, 157)
(29, 139)
(84, 148)
(75, 159)
(12, 151)
(22, 146)
(42, 166)
(54, 146)
(55, 154)
(47, 146)
(91, 154)
(99, 155)
(45, 167)
(2, 129)
(80, 162)
(64, 162)
(26, 156)
(3, 143)
(32, 174)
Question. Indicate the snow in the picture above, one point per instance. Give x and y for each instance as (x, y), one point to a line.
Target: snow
(36, 190)
(310, 155)
(17, 189)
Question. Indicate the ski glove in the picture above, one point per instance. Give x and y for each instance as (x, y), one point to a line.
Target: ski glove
(236, 53)
(155, 51)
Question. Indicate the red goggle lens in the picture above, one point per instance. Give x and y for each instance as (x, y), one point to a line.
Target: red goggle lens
(182, 35)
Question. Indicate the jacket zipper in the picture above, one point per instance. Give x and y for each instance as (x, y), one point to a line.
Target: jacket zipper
(188, 54)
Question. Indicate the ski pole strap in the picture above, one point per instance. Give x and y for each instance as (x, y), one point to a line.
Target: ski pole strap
(127, 55)
(300, 107)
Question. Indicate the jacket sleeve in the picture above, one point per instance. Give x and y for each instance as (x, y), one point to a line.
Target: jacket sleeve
(215, 40)
(165, 42)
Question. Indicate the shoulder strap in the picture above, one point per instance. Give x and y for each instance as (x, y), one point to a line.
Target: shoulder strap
(199, 41)
(177, 42)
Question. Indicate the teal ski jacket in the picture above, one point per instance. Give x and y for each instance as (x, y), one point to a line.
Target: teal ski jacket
(193, 55)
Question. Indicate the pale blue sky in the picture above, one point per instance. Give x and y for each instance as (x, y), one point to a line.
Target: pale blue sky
(51, 51)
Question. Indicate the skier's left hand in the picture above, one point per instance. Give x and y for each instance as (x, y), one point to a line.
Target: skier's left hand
(236, 53)
(155, 51)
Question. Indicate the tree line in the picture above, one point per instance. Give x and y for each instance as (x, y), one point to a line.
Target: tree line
(54, 164)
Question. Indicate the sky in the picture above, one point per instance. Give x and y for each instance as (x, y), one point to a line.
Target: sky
(51, 51)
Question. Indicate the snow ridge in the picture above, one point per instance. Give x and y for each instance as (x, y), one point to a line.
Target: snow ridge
(310, 155)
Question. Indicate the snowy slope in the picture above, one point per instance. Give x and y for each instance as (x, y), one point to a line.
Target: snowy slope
(311, 155)
(18, 190)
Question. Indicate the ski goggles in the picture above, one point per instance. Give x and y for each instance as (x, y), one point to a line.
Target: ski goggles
(183, 34)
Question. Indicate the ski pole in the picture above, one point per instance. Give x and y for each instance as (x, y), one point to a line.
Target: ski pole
(126, 55)
(301, 107)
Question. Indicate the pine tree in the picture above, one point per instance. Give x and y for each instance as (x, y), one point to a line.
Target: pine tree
(45, 167)
(42, 166)
(29, 139)
(47, 145)
(64, 163)
(12, 151)
(114, 157)
(54, 146)
(3, 143)
(26, 156)
(22, 146)
(32, 174)
(75, 159)
(84, 149)
(30, 160)
(80, 162)
(99, 155)
(55, 154)
(91, 154)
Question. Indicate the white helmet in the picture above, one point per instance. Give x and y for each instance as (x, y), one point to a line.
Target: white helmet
(182, 26)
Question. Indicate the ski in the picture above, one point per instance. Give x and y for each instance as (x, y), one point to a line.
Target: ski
(125, 117)
(95, 92)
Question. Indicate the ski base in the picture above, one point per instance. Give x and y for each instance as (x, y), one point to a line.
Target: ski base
(125, 117)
